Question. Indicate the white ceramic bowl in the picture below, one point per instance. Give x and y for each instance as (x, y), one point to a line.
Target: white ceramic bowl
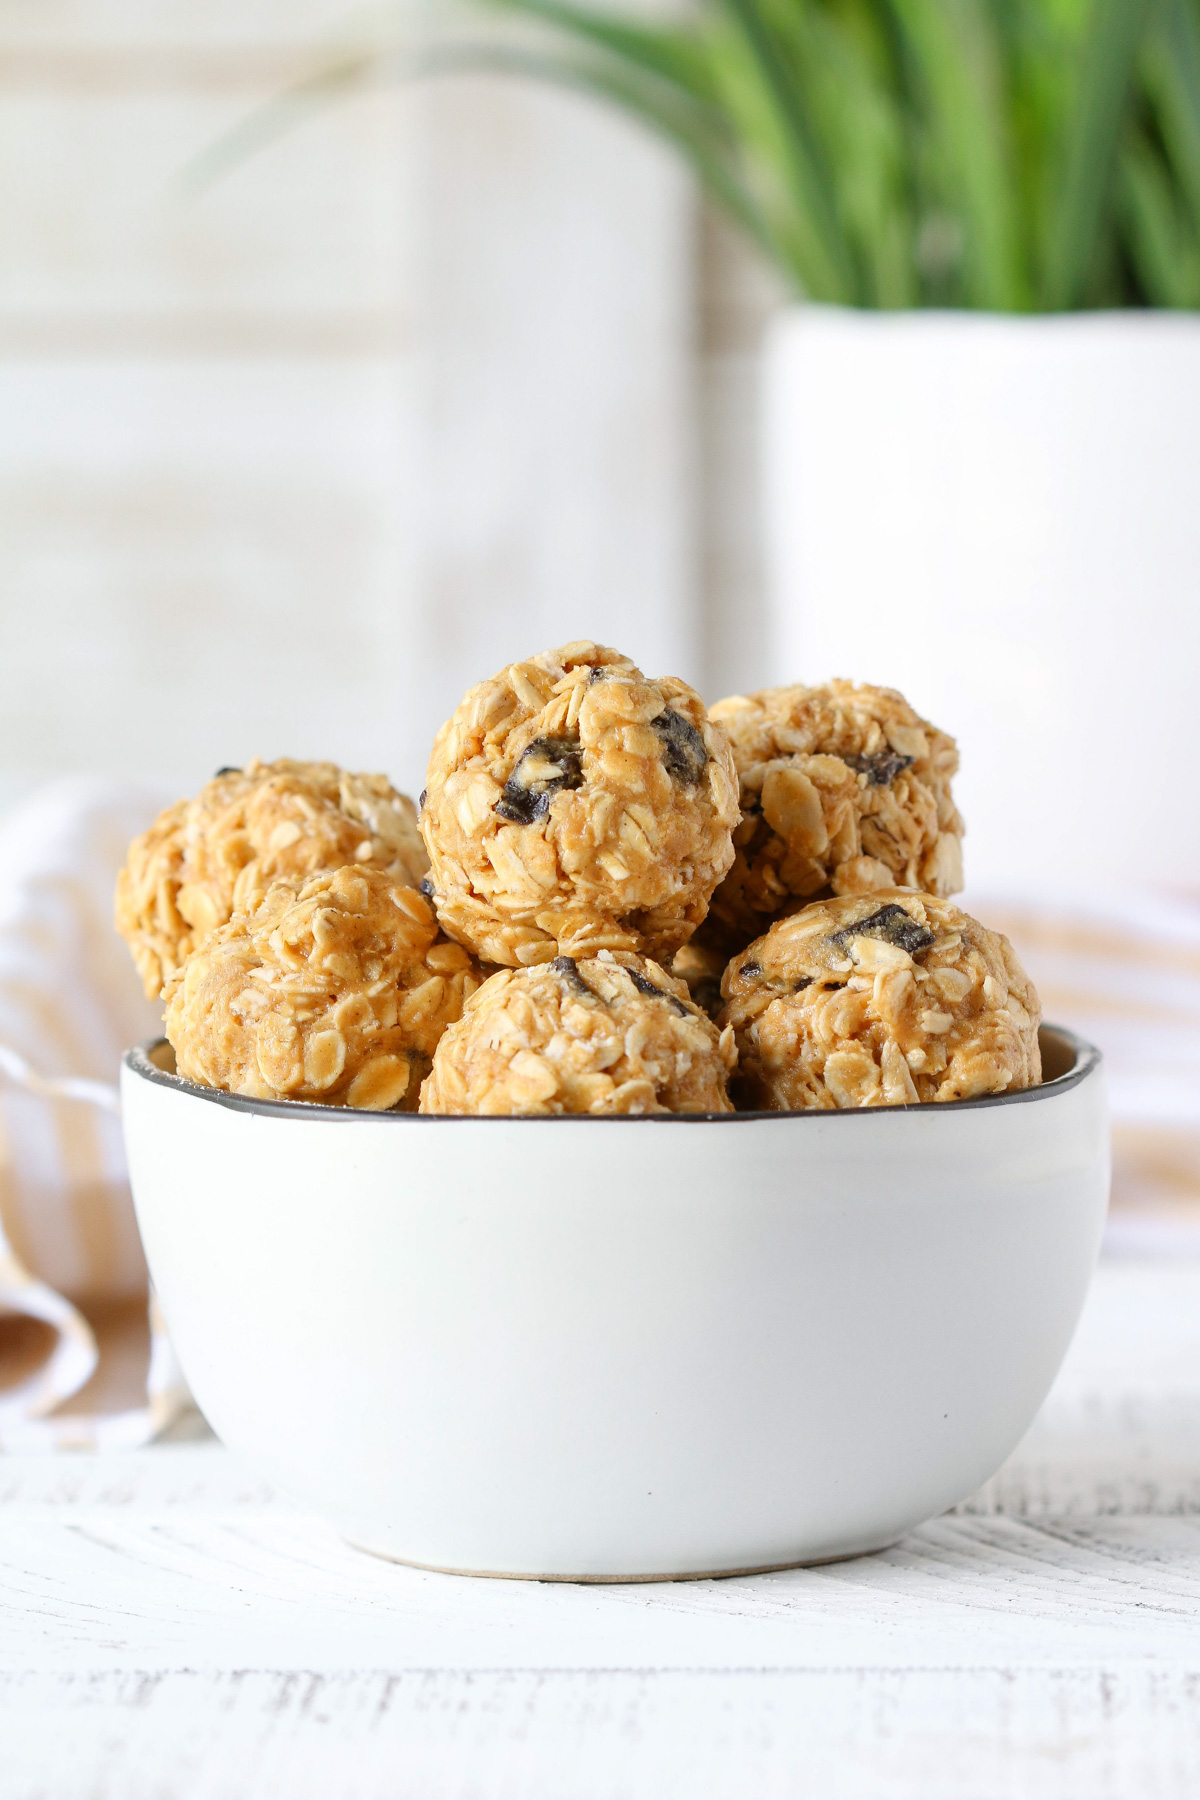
(621, 1349)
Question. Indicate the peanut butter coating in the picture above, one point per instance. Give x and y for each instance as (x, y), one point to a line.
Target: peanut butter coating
(843, 789)
(335, 989)
(204, 858)
(883, 999)
(612, 1033)
(574, 806)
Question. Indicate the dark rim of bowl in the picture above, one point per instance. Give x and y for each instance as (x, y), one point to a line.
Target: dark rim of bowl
(1086, 1059)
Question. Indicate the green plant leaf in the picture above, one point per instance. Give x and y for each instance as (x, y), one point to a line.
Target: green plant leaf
(844, 60)
(956, 59)
(1165, 250)
(1172, 74)
(833, 275)
(675, 55)
(1092, 135)
(782, 180)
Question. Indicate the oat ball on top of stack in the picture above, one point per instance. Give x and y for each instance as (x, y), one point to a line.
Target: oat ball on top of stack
(573, 806)
(843, 790)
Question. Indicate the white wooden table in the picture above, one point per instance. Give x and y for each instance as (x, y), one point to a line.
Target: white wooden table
(172, 1630)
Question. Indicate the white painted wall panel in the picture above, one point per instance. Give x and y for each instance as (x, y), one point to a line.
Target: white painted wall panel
(553, 325)
(196, 561)
(98, 228)
(283, 470)
(73, 26)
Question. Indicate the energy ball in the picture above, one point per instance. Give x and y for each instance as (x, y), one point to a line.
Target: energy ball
(205, 858)
(880, 1000)
(612, 1033)
(844, 789)
(574, 806)
(334, 989)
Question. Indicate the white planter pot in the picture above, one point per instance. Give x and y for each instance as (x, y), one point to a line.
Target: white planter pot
(1001, 517)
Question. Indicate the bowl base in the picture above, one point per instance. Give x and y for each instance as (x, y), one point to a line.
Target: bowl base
(772, 1568)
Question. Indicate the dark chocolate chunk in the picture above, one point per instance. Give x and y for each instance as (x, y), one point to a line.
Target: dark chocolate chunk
(426, 887)
(544, 767)
(568, 968)
(893, 925)
(753, 970)
(226, 769)
(683, 747)
(595, 675)
(523, 807)
(645, 986)
(879, 769)
(421, 801)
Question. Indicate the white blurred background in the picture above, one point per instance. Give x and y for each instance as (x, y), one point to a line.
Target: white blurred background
(442, 376)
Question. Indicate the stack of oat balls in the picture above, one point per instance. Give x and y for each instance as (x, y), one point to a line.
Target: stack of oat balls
(614, 900)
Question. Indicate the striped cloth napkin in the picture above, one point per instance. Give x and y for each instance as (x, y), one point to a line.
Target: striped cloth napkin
(1124, 971)
(84, 1361)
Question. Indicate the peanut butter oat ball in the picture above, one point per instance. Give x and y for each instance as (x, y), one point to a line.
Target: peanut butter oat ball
(880, 1000)
(574, 806)
(204, 858)
(843, 789)
(334, 989)
(612, 1033)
